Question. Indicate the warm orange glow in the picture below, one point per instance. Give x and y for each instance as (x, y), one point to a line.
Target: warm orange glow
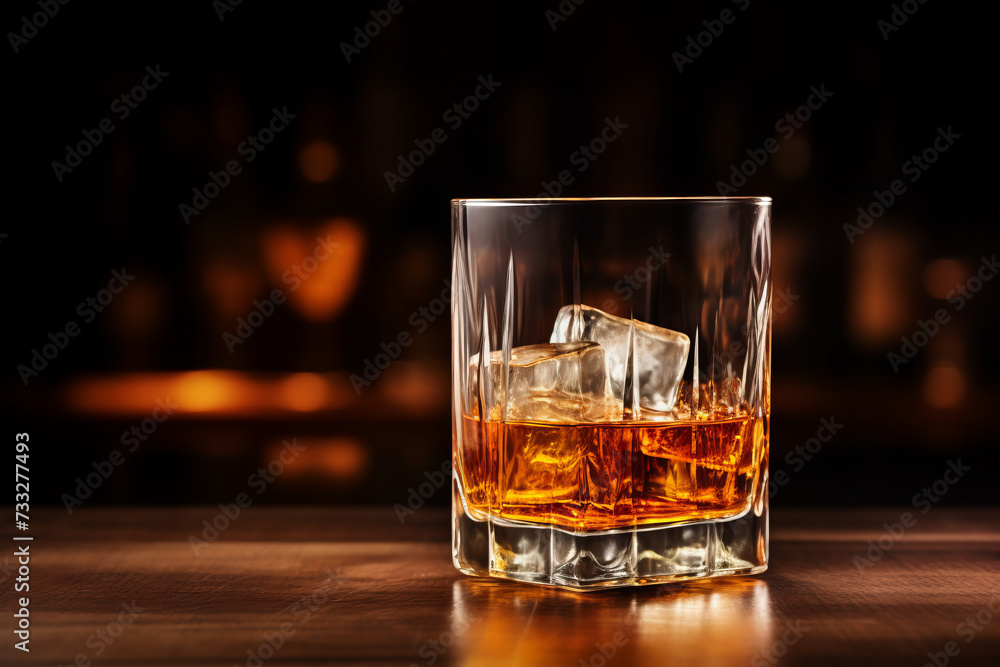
(319, 161)
(944, 387)
(788, 252)
(328, 291)
(209, 391)
(132, 394)
(942, 276)
(410, 386)
(882, 293)
(204, 391)
(338, 458)
(304, 392)
(317, 268)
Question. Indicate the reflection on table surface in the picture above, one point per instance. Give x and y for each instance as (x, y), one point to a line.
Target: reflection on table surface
(498, 621)
(307, 585)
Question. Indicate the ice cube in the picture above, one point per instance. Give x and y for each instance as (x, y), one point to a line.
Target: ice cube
(550, 382)
(660, 355)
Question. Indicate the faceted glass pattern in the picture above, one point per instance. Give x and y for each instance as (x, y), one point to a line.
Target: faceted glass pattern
(618, 434)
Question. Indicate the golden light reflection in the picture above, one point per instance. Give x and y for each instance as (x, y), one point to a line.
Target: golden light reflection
(944, 387)
(735, 614)
(942, 276)
(735, 617)
(319, 161)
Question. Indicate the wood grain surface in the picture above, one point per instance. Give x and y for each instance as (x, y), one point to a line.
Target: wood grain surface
(310, 586)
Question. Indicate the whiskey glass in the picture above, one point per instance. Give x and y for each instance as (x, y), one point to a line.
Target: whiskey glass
(610, 388)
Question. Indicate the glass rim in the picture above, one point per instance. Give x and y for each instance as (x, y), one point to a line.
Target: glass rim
(501, 201)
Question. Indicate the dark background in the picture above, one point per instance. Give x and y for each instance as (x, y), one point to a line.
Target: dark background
(847, 304)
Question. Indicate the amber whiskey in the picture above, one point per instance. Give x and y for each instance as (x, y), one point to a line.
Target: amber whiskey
(587, 477)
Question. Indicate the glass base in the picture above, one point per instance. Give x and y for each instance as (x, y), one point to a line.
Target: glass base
(638, 557)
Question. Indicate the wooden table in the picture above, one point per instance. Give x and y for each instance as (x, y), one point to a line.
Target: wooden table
(353, 586)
